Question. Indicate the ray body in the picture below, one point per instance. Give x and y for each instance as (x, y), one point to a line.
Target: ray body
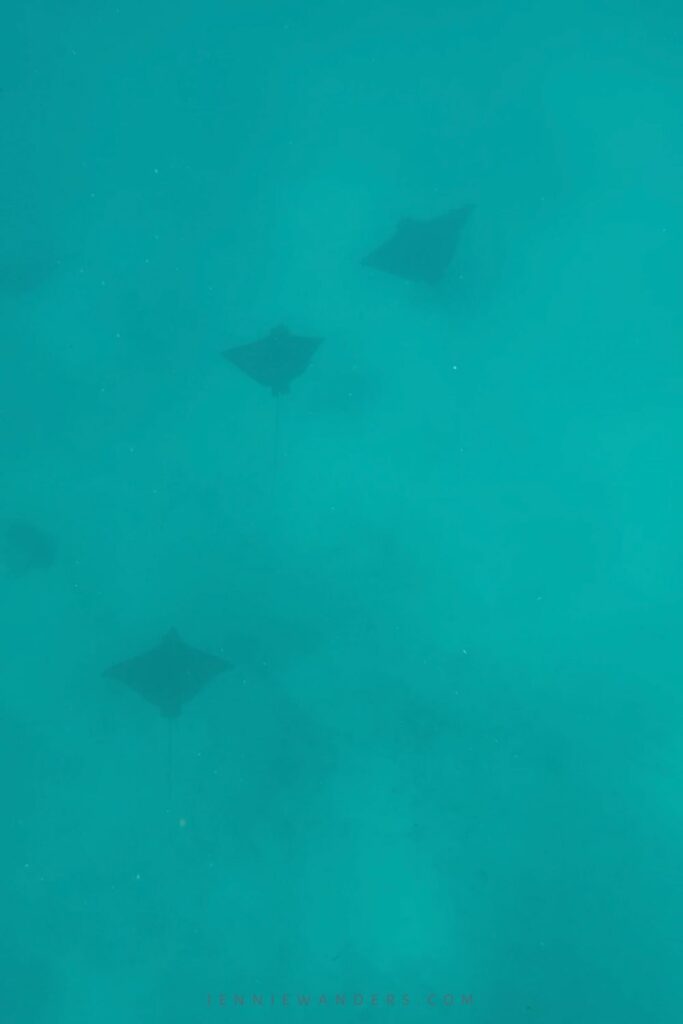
(26, 548)
(23, 276)
(169, 675)
(421, 250)
(275, 360)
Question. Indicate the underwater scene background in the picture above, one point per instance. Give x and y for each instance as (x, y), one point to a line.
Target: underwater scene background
(441, 755)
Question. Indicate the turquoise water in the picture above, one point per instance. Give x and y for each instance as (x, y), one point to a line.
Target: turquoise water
(446, 568)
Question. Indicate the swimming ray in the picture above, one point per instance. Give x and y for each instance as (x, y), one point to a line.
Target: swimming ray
(421, 250)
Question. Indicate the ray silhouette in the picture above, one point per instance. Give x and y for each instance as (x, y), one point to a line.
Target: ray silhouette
(421, 250)
(26, 548)
(21, 276)
(275, 360)
(169, 675)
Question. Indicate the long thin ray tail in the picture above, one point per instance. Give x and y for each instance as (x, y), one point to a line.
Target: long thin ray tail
(276, 444)
(168, 920)
(169, 769)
